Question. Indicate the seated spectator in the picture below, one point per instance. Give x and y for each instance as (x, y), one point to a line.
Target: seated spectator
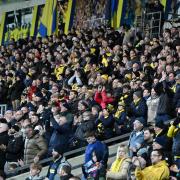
(159, 169)
(58, 162)
(35, 170)
(119, 168)
(65, 172)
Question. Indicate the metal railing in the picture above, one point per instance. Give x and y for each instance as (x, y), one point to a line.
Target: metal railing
(79, 151)
(3, 108)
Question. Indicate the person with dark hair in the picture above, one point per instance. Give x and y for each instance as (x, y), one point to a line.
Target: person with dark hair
(65, 172)
(35, 146)
(93, 169)
(58, 162)
(14, 149)
(138, 107)
(97, 146)
(157, 171)
(4, 137)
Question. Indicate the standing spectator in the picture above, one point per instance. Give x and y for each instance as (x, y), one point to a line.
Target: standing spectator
(152, 103)
(3, 141)
(60, 133)
(119, 168)
(97, 146)
(35, 147)
(14, 149)
(158, 171)
(136, 138)
(58, 162)
(138, 107)
(16, 90)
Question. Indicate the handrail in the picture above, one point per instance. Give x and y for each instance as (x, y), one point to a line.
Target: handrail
(47, 160)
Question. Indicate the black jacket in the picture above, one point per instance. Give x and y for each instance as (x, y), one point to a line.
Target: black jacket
(15, 148)
(3, 140)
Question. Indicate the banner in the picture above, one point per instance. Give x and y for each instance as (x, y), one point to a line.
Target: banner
(2, 27)
(34, 23)
(48, 22)
(69, 15)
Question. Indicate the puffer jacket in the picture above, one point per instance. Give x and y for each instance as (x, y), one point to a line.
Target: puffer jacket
(158, 171)
(34, 146)
(122, 173)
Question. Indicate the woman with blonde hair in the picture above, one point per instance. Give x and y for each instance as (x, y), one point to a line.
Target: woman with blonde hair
(119, 168)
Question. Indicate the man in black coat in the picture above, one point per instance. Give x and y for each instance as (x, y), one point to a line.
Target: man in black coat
(3, 141)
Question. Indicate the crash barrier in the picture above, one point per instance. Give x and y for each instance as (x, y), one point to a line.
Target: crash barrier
(3, 108)
(75, 160)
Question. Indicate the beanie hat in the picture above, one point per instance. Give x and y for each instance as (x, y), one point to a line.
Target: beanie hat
(160, 124)
(162, 141)
(138, 94)
(59, 149)
(141, 120)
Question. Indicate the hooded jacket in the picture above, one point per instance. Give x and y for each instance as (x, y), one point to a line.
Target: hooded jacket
(158, 171)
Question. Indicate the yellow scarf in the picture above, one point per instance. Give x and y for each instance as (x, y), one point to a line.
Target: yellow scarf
(116, 165)
(118, 113)
(136, 101)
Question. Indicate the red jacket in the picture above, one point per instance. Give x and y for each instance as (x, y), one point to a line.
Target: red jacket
(102, 99)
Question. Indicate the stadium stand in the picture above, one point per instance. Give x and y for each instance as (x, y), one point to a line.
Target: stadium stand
(70, 81)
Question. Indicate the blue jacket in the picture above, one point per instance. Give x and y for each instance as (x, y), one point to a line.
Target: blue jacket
(100, 148)
(135, 141)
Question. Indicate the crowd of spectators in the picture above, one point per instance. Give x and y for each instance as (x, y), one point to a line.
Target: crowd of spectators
(59, 88)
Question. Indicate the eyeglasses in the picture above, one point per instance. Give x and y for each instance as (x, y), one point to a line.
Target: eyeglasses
(154, 155)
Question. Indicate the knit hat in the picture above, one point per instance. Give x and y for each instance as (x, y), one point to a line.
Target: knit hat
(59, 149)
(162, 141)
(138, 94)
(141, 120)
(160, 124)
